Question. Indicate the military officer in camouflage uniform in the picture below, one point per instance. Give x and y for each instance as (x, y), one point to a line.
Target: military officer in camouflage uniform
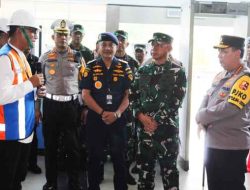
(224, 113)
(77, 35)
(61, 67)
(131, 132)
(159, 88)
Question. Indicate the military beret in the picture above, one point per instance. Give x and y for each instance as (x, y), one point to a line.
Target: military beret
(108, 36)
(161, 37)
(121, 33)
(140, 47)
(62, 26)
(78, 28)
(230, 41)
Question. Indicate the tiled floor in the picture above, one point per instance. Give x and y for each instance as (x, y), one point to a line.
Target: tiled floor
(191, 180)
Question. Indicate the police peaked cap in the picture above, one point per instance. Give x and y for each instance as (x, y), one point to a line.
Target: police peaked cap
(230, 41)
(62, 26)
(161, 37)
(108, 36)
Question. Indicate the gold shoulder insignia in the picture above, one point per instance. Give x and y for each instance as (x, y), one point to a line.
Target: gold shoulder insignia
(118, 71)
(97, 70)
(240, 93)
(97, 66)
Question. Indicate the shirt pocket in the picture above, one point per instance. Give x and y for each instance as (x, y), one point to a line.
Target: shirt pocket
(69, 69)
(51, 69)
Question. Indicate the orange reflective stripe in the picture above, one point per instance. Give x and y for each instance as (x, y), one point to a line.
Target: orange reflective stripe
(21, 64)
(15, 81)
(1, 115)
(2, 135)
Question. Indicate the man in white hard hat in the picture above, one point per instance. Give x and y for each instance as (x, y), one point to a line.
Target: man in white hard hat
(17, 86)
(3, 31)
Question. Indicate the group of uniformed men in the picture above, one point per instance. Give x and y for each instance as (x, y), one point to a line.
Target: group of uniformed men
(129, 109)
(114, 103)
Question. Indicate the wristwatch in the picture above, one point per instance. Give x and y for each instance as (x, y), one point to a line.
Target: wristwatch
(118, 114)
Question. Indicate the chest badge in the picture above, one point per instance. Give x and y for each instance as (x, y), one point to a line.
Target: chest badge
(98, 85)
(95, 78)
(222, 95)
(52, 71)
(115, 79)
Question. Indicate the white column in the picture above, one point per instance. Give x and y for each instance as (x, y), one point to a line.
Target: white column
(186, 52)
(113, 18)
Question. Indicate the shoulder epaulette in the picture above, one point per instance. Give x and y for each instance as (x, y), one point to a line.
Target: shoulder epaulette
(175, 62)
(92, 61)
(122, 61)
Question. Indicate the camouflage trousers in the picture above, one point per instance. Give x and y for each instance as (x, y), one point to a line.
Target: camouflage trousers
(163, 146)
(131, 137)
(131, 142)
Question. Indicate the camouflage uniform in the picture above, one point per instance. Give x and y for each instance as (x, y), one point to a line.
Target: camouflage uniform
(130, 126)
(85, 52)
(131, 129)
(159, 91)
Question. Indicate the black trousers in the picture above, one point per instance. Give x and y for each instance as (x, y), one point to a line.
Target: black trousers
(226, 169)
(58, 118)
(98, 133)
(13, 164)
(33, 150)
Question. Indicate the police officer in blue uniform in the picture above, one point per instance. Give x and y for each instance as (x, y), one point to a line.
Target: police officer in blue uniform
(106, 86)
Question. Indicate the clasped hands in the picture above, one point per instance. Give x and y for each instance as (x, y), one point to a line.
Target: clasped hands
(149, 124)
(108, 117)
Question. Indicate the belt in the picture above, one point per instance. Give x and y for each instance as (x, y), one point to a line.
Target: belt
(61, 98)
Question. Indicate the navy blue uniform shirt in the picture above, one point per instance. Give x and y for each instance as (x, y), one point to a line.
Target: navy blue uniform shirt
(107, 83)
